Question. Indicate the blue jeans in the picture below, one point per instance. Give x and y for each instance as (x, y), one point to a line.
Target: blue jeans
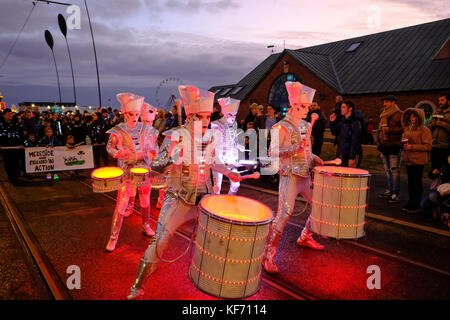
(392, 168)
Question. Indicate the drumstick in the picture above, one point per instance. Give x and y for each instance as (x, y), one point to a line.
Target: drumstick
(336, 162)
(314, 117)
(254, 175)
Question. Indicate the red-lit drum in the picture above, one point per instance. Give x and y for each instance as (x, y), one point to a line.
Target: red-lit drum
(107, 179)
(339, 202)
(231, 236)
(139, 177)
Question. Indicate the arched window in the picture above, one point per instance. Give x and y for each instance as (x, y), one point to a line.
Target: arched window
(428, 107)
(278, 95)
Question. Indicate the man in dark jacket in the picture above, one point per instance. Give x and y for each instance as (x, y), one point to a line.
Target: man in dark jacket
(319, 127)
(388, 140)
(349, 130)
(337, 119)
(11, 135)
(440, 129)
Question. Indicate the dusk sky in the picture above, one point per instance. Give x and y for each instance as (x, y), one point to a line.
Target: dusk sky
(203, 43)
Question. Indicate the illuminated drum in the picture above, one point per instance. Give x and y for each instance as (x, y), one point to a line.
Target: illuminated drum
(231, 236)
(339, 202)
(107, 179)
(139, 177)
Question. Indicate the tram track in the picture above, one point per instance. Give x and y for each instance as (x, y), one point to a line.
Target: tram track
(58, 291)
(33, 252)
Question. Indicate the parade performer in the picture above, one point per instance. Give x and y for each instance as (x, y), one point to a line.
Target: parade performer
(148, 114)
(227, 146)
(133, 145)
(188, 155)
(295, 161)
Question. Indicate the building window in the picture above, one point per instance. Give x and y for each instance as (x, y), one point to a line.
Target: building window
(225, 91)
(278, 96)
(444, 52)
(428, 107)
(236, 90)
(353, 47)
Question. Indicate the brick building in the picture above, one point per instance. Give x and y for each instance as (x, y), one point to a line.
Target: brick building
(413, 63)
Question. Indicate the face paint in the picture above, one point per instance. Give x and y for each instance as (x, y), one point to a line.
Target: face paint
(132, 118)
(299, 111)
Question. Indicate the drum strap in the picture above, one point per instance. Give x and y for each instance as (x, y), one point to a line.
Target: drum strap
(127, 138)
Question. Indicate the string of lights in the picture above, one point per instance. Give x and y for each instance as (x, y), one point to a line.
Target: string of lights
(231, 238)
(235, 261)
(339, 188)
(233, 283)
(338, 224)
(338, 206)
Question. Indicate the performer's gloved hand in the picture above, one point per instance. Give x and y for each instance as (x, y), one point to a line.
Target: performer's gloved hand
(241, 147)
(123, 154)
(234, 176)
(152, 154)
(318, 161)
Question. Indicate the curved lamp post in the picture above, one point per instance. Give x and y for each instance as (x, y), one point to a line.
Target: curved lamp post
(63, 28)
(49, 40)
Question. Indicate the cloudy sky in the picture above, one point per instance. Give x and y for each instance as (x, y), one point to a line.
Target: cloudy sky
(140, 43)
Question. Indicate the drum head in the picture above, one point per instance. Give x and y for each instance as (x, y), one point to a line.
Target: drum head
(236, 209)
(107, 173)
(342, 171)
(139, 170)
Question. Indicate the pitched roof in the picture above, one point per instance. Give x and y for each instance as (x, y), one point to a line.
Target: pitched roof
(390, 61)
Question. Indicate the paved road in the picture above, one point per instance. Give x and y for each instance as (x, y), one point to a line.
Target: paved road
(72, 225)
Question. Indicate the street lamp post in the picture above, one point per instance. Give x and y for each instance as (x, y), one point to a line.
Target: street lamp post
(95, 55)
(49, 40)
(63, 28)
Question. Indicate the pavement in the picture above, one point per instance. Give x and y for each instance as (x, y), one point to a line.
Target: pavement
(72, 225)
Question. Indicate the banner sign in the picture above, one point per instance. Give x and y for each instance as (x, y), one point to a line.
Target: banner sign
(43, 159)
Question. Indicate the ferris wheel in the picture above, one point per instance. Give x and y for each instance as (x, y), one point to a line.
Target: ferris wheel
(166, 92)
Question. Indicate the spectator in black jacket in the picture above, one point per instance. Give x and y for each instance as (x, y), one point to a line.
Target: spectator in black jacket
(349, 130)
(11, 135)
(97, 133)
(77, 129)
(318, 128)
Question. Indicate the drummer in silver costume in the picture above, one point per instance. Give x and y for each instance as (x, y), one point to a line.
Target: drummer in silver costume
(296, 161)
(227, 147)
(148, 115)
(188, 154)
(131, 143)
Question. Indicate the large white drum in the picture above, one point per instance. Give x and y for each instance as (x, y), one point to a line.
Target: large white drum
(339, 202)
(231, 236)
(139, 177)
(107, 179)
